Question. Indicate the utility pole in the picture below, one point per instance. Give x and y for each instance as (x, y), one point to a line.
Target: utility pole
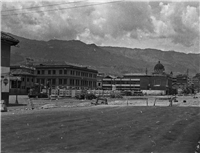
(0, 16)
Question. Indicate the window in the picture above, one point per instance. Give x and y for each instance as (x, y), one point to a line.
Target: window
(14, 84)
(60, 71)
(77, 82)
(23, 79)
(71, 81)
(42, 81)
(38, 80)
(94, 84)
(72, 72)
(49, 71)
(60, 81)
(32, 79)
(42, 71)
(38, 71)
(27, 79)
(65, 71)
(53, 81)
(65, 81)
(90, 75)
(94, 75)
(54, 71)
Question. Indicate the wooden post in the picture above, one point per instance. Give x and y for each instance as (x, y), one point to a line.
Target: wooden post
(147, 101)
(155, 102)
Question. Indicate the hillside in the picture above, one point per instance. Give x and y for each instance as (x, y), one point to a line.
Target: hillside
(173, 61)
(111, 60)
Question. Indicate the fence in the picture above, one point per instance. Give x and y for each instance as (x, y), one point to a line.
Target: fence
(55, 93)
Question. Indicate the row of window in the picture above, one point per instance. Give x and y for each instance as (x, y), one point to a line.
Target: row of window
(28, 80)
(71, 72)
(121, 82)
(73, 82)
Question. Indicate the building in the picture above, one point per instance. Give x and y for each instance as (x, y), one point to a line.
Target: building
(66, 76)
(100, 77)
(196, 82)
(117, 83)
(26, 80)
(6, 42)
(156, 83)
(54, 76)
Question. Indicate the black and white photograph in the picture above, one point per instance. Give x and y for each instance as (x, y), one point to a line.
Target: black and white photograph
(110, 76)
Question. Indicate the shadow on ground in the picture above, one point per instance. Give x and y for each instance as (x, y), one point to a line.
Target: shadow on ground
(15, 105)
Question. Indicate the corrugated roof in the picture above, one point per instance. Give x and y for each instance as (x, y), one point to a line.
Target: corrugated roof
(7, 38)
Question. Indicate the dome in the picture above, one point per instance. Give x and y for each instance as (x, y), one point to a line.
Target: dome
(159, 68)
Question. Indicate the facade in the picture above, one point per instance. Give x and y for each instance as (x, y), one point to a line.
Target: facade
(100, 77)
(117, 83)
(66, 76)
(25, 81)
(196, 82)
(6, 42)
(53, 76)
(156, 83)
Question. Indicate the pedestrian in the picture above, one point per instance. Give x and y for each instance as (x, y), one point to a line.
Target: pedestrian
(30, 104)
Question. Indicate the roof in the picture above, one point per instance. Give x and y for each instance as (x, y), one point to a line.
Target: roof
(21, 72)
(159, 66)
(5, 37)
(136, 74)
(42, 66)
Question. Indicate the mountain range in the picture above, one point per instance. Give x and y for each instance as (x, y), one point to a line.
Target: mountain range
(106, 59)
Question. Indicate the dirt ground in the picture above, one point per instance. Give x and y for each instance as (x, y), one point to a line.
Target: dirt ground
(71, 102)
(124, 125)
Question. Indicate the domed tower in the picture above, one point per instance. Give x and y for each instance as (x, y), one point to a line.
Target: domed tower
(159, 68)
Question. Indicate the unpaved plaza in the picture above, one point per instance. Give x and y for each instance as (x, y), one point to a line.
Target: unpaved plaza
(70, 125)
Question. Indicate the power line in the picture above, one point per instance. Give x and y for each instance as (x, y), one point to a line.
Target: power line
(41, 6)
(64, 8)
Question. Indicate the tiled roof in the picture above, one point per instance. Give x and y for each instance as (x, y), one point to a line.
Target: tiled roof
(7, 38)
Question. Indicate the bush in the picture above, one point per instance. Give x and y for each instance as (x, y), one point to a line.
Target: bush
(90, 96)
(115, 95)
(85, 96)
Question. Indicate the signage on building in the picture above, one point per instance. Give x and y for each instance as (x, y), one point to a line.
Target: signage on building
(5, 81)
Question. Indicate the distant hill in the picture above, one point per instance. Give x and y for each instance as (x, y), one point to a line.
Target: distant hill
(110, 60)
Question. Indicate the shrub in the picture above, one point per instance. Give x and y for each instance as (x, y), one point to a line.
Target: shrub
(115, 95)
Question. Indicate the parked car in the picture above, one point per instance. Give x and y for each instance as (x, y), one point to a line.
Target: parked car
(126, 93)
(138, 93)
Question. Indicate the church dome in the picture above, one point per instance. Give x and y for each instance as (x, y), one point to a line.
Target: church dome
(159, 68)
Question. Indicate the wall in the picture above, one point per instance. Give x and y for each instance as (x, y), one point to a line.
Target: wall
(5, 71)
(154, 92)
(73, 77)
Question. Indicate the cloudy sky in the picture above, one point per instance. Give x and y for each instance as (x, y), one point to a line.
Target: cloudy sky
(164, 25)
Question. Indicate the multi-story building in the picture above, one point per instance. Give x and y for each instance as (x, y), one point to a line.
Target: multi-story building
(156, 83)
(66, 76)
(123, 83)
(6, 42)
(53, 76)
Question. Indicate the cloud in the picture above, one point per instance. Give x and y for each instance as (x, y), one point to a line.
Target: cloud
(128, 24)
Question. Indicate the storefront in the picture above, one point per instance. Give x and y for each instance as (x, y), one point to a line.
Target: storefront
(6, 42)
